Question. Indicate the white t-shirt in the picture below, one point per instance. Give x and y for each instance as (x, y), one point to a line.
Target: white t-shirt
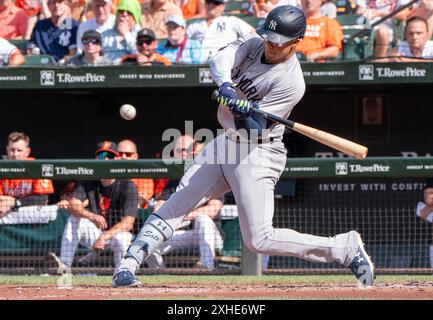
(419, 207)
(427, 52)
(6, 49)
(222, 31)
(92, 24)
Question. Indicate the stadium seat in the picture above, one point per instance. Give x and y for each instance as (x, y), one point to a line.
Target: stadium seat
(236, 7)
(398, 28)
(345, 6)
(252, 20)
(362, 46)
(232, 245)
(39, 60)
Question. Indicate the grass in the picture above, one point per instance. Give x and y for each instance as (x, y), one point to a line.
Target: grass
(215, 280)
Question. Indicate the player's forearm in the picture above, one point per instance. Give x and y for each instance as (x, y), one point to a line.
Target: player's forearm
(426, 211)
(16, 59)
(221, 65)
(122, 226)
(76, 208)
(324, 54)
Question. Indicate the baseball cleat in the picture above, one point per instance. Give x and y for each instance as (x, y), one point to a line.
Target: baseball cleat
(125, 278)
(54, 261)
(361, 265)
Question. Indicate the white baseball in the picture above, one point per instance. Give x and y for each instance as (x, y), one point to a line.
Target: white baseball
(128, 112)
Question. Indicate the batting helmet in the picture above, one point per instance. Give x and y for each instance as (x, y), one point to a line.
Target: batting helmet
(283, 24)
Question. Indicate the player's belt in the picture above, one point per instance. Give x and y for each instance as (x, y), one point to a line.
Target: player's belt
(239, 139)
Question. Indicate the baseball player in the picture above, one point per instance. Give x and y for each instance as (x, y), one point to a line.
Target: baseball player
(268, 76)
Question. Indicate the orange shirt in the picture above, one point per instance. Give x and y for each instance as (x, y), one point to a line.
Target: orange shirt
(21, 188)
(160, 185)
(144, 187)
(13, 22)
(320, 34)
(189, 9)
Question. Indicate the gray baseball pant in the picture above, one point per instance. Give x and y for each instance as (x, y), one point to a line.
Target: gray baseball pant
(251, 172)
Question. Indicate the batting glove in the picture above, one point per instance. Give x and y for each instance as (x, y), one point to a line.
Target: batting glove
(226, 94)
(241, 107)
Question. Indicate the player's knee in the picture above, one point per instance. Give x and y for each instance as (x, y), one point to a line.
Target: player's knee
(256, 245)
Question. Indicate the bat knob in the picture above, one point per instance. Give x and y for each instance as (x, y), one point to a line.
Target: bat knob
(214, 94)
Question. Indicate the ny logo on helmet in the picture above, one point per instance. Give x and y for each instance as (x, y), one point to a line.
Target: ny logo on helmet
(272, 25)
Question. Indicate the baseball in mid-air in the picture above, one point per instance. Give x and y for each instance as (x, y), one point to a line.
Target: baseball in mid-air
(128, 112)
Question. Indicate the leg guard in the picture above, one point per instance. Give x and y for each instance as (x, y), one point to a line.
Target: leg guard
(154, 232)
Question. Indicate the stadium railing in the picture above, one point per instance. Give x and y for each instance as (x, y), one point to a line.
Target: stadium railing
(377, 197)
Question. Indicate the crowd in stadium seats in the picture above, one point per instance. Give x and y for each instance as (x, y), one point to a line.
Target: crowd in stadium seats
(191, 31)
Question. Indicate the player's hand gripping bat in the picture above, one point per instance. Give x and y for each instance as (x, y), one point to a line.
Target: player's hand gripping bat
(348, 147)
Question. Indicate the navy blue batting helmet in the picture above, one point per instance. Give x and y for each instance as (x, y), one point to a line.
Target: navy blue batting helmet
(283, 24)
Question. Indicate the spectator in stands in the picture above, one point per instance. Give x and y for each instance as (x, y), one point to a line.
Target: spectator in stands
(328, 9)
(155, 14)
(323, 37)
(106, 222)
(192, 9)
(92, 51)
(424, 209)
(425, 11)
(17, 193)
(120, 40)
(416, 47)
(56, 36)
(216, 30)
(13, 21)
(146, 46)
(102, 21)
(261, 8)
(199, 229)
(178, 48)
(375, 10)
(10, 55)
(128, 151)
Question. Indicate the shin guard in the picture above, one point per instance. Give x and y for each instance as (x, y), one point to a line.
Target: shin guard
(155, 231)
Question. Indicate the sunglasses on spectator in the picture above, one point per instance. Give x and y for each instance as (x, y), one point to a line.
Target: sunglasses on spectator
(146, 40)
(215, 3)
(127, 154)
(92, 41)
(105, 154)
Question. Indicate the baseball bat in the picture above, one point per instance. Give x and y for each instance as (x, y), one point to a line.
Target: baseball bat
(346, 146)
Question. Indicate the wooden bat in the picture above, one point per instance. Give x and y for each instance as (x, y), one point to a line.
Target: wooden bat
(346, 146)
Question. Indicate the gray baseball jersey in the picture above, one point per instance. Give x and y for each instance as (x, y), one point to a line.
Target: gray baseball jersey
(277, 87)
